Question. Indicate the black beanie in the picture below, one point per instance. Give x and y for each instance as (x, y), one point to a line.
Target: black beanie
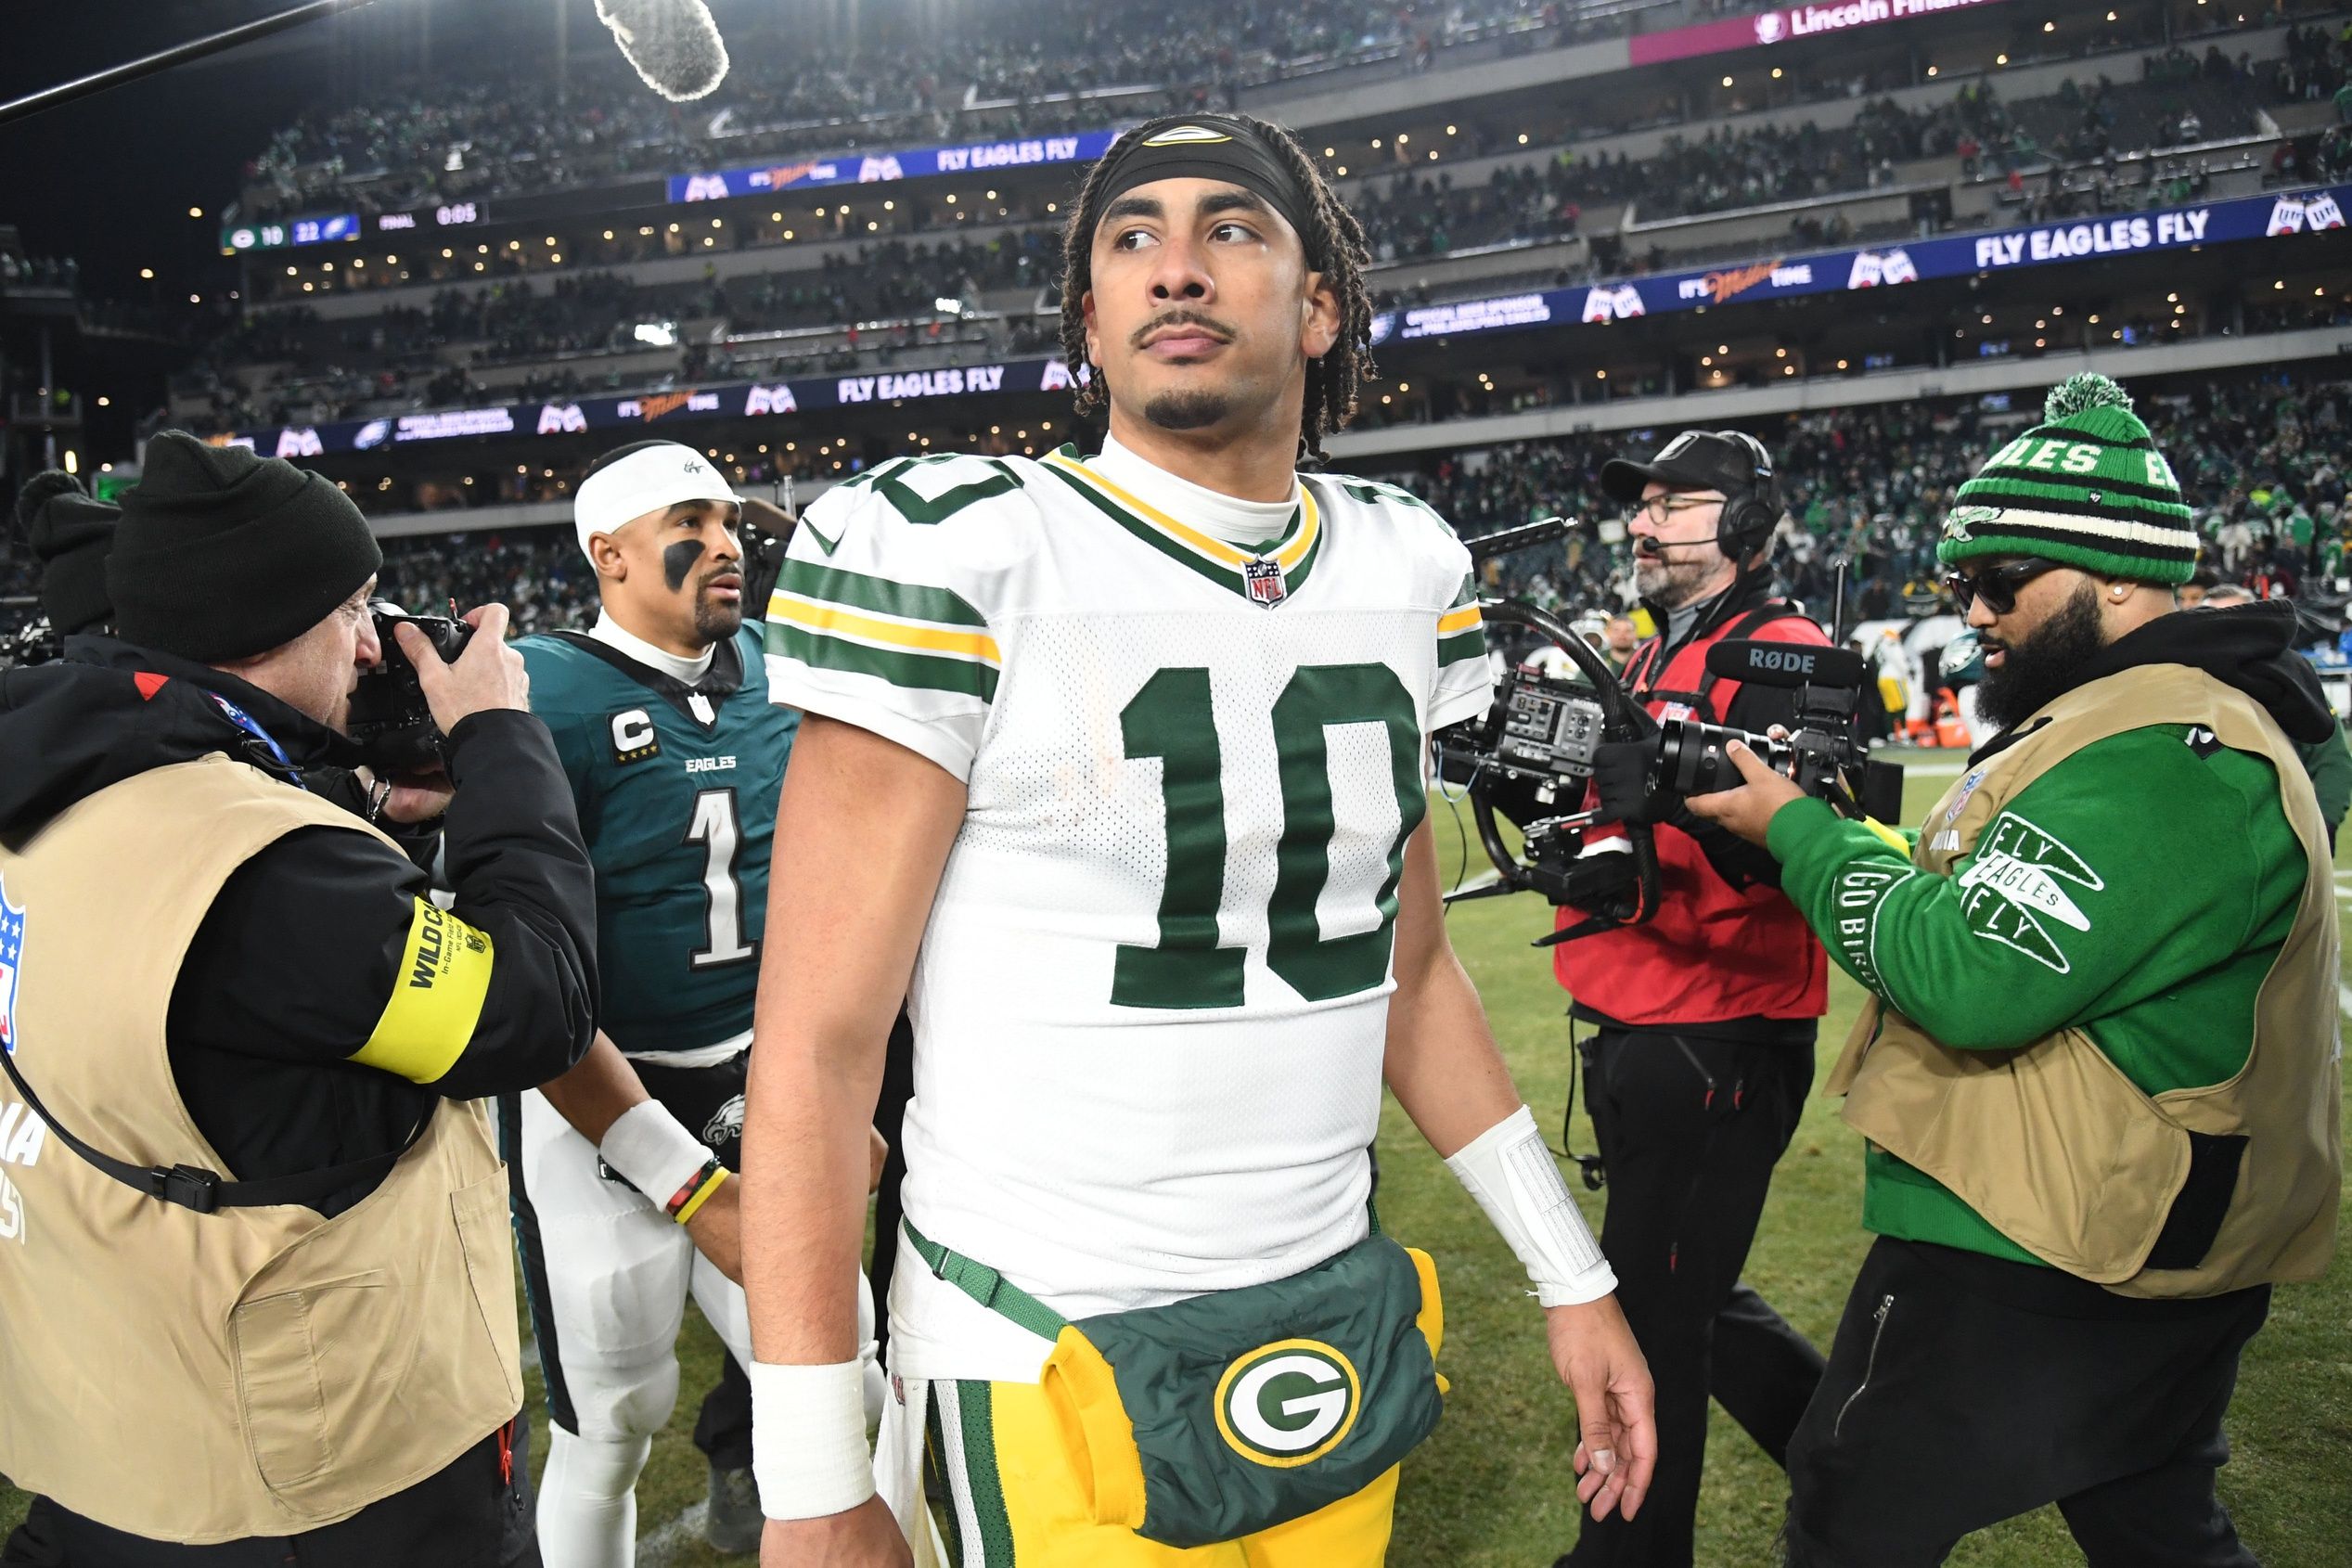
(221, 554)
(69, 534)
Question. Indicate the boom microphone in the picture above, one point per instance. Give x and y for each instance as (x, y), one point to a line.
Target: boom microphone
(674, 45)
(1786, 663)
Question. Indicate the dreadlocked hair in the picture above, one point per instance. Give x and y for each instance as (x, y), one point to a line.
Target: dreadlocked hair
(1334, 235)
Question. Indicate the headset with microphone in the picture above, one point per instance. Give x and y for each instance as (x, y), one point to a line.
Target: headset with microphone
(1749, 517)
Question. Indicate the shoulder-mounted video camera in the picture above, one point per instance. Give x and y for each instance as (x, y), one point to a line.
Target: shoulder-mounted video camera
(390, 719)
(1528, 759)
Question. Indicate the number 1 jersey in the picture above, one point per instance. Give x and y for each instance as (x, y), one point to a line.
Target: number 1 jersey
(1151, 1004)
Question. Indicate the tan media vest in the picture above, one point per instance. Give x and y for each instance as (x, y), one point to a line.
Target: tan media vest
(2050, 1143)
(255, 1372)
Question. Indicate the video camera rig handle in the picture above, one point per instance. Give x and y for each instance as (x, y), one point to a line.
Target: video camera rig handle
(1623, 719)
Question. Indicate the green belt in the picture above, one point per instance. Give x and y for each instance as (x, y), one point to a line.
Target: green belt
(986, 1286)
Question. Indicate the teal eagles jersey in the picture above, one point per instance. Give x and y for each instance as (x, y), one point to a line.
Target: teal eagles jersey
(677, 787)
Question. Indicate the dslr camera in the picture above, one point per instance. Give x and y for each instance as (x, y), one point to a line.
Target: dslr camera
(390, 719)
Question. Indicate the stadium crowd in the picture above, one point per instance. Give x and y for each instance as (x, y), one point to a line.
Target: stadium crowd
(1001, 69)
(2267, 466)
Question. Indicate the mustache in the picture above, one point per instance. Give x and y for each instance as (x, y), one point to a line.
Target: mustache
(1181, 317)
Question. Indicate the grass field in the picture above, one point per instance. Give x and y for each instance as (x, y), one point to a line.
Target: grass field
(1492, 1488)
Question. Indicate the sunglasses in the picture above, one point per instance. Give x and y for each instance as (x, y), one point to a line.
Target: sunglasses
(1997, 585)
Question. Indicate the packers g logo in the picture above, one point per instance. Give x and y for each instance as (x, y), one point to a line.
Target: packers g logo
(1288, 1404)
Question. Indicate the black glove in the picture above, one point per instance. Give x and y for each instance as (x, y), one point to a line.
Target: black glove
(1601, 881)
(1624, 777)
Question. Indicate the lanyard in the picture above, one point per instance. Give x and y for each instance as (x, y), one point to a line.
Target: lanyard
(251, 727)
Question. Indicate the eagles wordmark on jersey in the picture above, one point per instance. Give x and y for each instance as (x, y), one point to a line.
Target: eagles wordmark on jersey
(1150, 1003)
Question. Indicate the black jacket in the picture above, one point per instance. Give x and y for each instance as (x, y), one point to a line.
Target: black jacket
(292, 967)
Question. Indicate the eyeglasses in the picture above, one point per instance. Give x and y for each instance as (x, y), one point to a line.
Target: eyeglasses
(1997, 585)
(1659, 508)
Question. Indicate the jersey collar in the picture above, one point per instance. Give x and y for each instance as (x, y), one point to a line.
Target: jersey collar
(1268, 575)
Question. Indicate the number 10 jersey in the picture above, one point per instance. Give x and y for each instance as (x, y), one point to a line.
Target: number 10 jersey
(1151, 1004)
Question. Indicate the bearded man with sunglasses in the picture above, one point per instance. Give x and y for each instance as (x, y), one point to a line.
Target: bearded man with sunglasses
(1700, 1052)
(2097, 1073)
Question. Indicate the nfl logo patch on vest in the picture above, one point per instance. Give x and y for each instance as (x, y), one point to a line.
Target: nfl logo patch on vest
(1263, 579)
(11, 964)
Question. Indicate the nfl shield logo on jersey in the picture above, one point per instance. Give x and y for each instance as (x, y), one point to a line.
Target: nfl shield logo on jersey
(11, 964)
(1265, 581)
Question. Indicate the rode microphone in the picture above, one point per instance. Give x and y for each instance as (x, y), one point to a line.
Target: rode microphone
(1786, 663)
(674, 45)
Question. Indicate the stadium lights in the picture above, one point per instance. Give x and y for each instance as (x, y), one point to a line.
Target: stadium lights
(106, 403)
(1931, 71)
(1376, 141)
(551, 239)
(992, 195)
(2001, 59)
(1328, 152)
(951, 200)
(1726, 81)
(1776, 73)
(1523, 138)
(2050, 27)
(1053, 206)
(890, 206)
(1706, 359)
(2094, 318)
(2280, 284)
(1451, 132)
(196, 298)
(717, 223)
(1841, 365)
(556, 258)
(787, 234)
(446, 252)
(1343, 169)
(290, 271)
(674, 228)
(196, 212)
(1600, 374)
(392, 260)
(1432, 155)
(607, 234)
(148, 272)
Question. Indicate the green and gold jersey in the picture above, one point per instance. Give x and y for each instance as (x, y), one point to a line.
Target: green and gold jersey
(1150, 1005)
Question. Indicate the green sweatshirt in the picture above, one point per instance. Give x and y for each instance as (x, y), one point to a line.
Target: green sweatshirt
(2169, 878)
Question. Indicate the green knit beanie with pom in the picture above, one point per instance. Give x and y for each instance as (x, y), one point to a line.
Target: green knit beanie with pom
(2085, 487)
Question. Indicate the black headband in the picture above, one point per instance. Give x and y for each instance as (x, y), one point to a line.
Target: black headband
(1211, 147)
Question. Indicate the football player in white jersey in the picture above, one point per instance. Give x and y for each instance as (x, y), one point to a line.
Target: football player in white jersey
(1113, 768)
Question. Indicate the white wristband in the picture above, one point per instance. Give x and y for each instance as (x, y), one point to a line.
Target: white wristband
(808, 1439)
(653, 1150)
(1509, 1170)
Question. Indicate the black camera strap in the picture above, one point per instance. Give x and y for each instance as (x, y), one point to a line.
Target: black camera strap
(192, 1187)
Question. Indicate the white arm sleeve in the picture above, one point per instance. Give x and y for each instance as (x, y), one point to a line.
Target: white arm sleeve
(1509, 1170)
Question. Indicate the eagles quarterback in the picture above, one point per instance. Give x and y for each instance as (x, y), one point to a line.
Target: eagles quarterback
(1114, 767)
(619, 1169)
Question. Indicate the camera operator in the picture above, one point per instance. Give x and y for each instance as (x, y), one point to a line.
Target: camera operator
(255, 1260)
(2099, 1072)
(1705, 1014)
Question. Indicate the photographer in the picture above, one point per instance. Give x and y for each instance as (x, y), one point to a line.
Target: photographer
(254, 1262)
(2098, 1075)
(1704, 1015)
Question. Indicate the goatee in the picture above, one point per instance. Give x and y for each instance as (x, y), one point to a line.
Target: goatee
(2045, 665)
(1187, 410)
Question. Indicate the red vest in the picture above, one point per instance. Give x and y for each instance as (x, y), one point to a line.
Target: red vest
(1712, 953)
